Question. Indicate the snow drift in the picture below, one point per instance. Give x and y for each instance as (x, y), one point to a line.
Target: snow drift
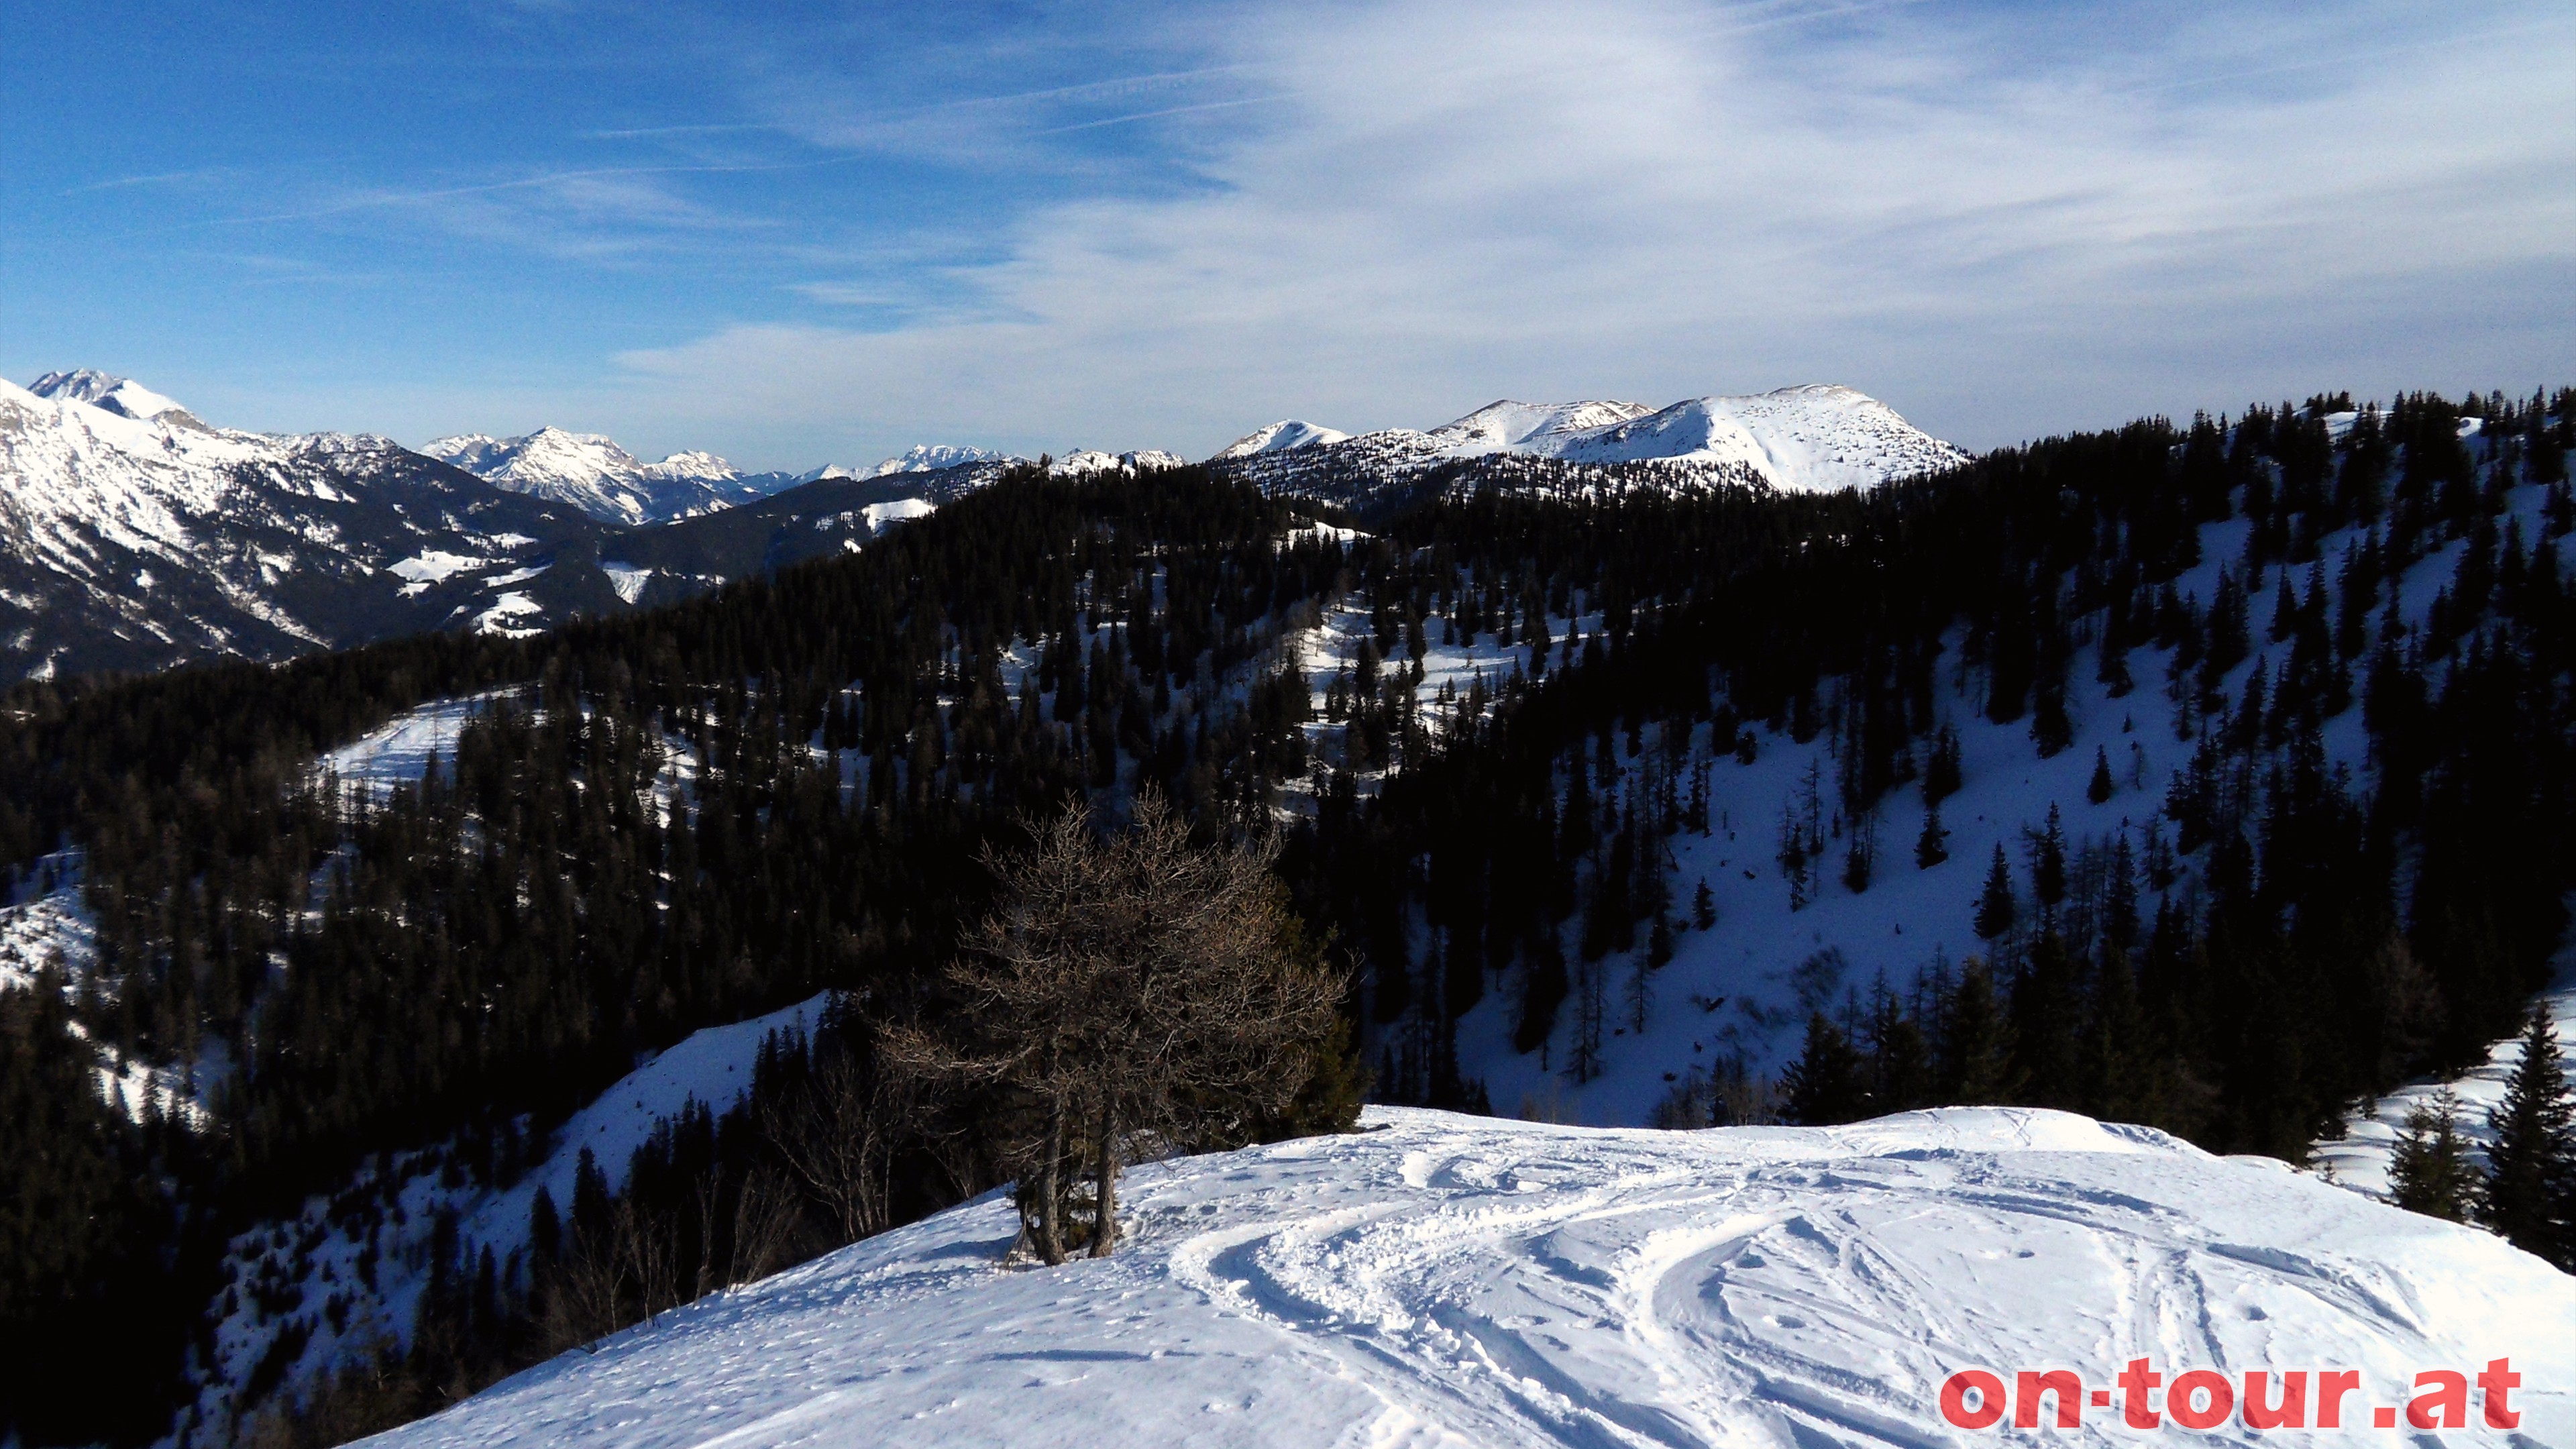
(1442, 1280)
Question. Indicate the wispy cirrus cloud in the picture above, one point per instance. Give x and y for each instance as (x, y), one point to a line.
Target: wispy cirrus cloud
(799, 232)
(1989, 217)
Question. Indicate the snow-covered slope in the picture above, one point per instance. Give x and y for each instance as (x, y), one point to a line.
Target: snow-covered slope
(1092, 460)
(133, 535)
(1816, 438)
(598, 477)
(713, 1067)
(1737, 994)
(122, 396)
(1279, 437)
(931, 458)
(1442, 1280)
(2360, 1158)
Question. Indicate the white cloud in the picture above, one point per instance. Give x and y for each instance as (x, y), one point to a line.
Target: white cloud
(2003, 225)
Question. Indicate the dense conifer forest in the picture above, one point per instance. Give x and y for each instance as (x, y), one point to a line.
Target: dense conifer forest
(694, 815)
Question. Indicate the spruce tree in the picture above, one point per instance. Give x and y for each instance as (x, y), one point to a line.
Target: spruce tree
(2120, 899)
(2101, 787)
(2048, 864)
(1995, 905)
(1976, 1042)
(1931, 847)
(2529, 1195)
(2430, 1172)
(1941, 777)
(1826, 1084)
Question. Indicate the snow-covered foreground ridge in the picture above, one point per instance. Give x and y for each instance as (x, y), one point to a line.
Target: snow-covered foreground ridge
(1453, 1280)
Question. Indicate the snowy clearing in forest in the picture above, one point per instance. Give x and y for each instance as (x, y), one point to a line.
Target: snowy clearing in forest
(398, 751)
(1446, 1280)
(2359, 1159)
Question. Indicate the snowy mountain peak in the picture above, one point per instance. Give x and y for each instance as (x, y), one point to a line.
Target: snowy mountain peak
(1280, 437)
(692, 465)
(592, 473)
(1092, 460)
(549, 455)
(1820, 437)
(1519, 427)
(120, 395)
(137, 541)
(924, 458)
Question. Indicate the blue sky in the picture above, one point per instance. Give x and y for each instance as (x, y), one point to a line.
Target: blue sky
(799, 234)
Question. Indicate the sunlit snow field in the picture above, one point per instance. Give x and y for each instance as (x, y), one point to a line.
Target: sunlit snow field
(1442, 1280)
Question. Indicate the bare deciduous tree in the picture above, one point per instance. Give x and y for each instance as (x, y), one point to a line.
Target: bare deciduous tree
(764, 1223)
(1130, 985)
(837, 1136)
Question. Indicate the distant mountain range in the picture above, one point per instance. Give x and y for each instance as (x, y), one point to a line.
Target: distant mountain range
(1816, 438)
(598, 477)
(135, 535)
(592, 473)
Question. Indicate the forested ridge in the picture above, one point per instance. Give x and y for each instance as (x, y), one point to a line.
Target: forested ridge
(693, 815)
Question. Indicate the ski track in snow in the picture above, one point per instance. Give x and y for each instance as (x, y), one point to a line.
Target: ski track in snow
(1445, 1280)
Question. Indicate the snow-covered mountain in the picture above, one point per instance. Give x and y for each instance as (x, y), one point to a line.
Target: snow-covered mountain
(1436, 1280)
(933, 457)
(1279, 437)
(835, 512)
(133, 535)
(593, 474)
(1816, 438)
(1092, 460)
(122, 396)
(919, 458)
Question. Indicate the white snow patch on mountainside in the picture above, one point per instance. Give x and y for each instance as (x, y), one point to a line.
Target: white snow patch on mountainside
(712, 1067)
(398, 752)
(432, 566)
(1442, 1280)
(47, 928)
(627, 579)
(878, 517)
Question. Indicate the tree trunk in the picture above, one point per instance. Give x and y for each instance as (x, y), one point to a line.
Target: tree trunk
(1104, 1228)
(1049, 1232)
